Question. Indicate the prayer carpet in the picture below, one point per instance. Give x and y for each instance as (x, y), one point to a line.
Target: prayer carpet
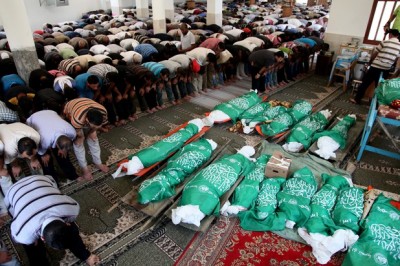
(118, 237)
(226, 243)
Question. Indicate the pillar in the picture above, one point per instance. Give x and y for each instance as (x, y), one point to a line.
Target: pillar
(19, 36)
(116, 8)
(214, 12)
(142, 8)
(159, 24)
(169, 9)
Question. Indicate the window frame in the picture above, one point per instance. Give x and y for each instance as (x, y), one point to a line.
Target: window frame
(371, 18)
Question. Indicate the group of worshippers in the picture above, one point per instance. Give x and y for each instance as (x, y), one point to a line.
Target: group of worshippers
(94, 72)
(39, 209)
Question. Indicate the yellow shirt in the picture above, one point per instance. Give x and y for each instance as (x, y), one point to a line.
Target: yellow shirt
(396, 24)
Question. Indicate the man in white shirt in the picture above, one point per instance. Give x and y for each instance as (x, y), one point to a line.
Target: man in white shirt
(188, 41)
(18, 140)
(204, 57)
(56, 137)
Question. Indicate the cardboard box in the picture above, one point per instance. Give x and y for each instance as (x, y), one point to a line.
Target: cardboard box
(277, 166)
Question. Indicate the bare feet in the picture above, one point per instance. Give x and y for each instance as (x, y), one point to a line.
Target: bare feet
(103, 129)
(352, 100)
(120, 123)
(149, 111)
(132, 118)
(93, 260)
(102, 167)
(87, 175)
(159, 107)
(153, 110)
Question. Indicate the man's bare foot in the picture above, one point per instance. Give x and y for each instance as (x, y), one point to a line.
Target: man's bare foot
(154, 110)
(102, 167)
(132, 118)
(105, 128)
(149, 111)
(93, 260)
(159, 107)
(87, 175)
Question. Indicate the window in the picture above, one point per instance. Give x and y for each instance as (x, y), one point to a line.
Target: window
(380, 14)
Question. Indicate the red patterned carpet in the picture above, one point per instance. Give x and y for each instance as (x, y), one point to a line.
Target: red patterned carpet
(225, 243)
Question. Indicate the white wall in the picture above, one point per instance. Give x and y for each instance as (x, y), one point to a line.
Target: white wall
(349, 17)
(38, 15)
(347, 20)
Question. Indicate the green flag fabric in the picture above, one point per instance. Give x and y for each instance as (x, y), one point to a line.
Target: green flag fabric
(285, 121)
(322, 204)
(339, 132)
(348, 209)
(295, 197)
(255, 111)
(212, 182)
(163, 148)
(379, 242)
(246, 192)
(262, 216)
(235, 107)
(186, 161)
(303, 131)
(388, 91)
(201, 195)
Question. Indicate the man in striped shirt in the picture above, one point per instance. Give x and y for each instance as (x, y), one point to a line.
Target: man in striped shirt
(86, 116)
(41, 212)
(383, 59)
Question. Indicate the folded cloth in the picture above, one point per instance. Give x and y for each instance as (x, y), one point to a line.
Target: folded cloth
(218, 116)
(207, 186)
